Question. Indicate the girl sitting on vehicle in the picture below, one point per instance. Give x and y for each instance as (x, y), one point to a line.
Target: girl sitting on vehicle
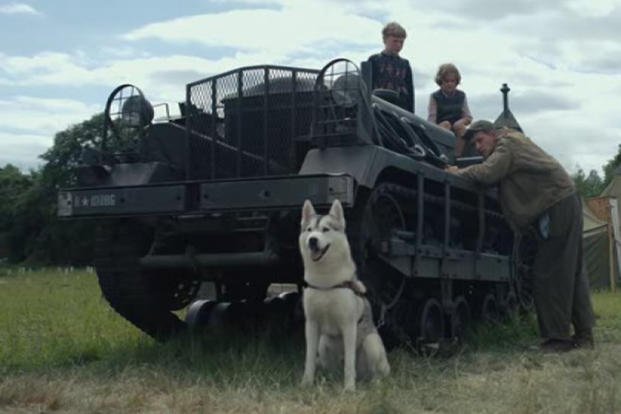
(448, 106)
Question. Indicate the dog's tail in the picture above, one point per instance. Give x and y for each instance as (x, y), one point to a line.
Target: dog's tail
(377, 356)
(358, 287)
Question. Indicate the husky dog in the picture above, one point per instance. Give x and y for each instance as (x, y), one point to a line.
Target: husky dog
(339, 324)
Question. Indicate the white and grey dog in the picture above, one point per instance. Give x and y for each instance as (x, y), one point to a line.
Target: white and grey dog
(339, 323)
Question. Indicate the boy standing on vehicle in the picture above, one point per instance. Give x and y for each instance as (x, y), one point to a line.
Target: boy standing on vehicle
(537, 193)
(389, 70)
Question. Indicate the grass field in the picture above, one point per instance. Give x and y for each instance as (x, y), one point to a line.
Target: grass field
(62, 349)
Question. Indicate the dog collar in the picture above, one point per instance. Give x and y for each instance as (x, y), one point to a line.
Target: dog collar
(345, 285)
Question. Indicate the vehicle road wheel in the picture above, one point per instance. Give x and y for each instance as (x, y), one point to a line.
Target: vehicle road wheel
(430, 322)
(199, 312)
(460, 318)
(525, 249)
(510, 308)
(489, 309)
(374, 218)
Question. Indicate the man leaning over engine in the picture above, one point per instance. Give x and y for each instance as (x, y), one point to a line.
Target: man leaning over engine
(536, 192)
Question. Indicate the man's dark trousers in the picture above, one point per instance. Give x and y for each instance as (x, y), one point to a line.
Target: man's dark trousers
(561, 287)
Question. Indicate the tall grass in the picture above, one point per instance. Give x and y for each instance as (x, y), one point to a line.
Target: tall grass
(63, 349)
(56, 318)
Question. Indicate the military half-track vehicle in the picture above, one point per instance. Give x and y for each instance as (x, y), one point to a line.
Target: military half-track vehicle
(216, 194)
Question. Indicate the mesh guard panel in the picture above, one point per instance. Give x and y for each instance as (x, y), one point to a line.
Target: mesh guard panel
(248, 122)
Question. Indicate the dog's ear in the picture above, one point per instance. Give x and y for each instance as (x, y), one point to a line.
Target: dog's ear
(308, 211)
(336, 211)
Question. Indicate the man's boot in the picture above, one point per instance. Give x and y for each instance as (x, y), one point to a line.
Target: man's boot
(583, 339)
(557, 345)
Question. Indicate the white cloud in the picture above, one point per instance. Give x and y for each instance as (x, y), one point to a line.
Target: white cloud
(32, 115)
(31, 123)
(592, 8)
(163, 77)
(301, 28)
(17, 8)
(22, 150)
(263, 3)
(560, 58)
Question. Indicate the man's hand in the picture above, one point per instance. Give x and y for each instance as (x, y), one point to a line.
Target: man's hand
(451, 168)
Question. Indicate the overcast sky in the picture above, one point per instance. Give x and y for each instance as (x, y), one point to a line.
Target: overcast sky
(60, 59)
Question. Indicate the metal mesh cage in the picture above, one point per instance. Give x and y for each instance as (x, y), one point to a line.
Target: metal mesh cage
(341, 101)
(126, 115)
(248, 122)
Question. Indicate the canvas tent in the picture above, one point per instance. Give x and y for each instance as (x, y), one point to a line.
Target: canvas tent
(596, 247)
(613, 193)
(614, 188)
(604, 209)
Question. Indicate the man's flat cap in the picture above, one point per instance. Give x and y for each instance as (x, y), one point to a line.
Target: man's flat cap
(478, 126)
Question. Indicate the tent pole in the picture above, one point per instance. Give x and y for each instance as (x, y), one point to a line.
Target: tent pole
(611, 258)
(613, 236)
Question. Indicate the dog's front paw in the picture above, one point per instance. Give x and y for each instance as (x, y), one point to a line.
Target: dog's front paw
(306, 381)
(349, 387)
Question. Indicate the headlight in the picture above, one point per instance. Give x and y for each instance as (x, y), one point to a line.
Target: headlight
(341, 78)
(345, 90)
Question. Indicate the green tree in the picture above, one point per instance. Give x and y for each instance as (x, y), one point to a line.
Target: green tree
(588, 185)
(29, 225)
(64, 156)
(13, 183)
(13, 186)
(611, 166)
(63, 242)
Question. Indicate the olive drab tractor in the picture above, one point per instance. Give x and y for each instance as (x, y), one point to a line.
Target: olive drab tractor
(215, 195)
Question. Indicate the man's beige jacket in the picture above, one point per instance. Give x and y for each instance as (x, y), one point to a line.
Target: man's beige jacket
(530, 181)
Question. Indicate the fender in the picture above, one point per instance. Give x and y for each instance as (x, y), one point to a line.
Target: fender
(366, 163)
